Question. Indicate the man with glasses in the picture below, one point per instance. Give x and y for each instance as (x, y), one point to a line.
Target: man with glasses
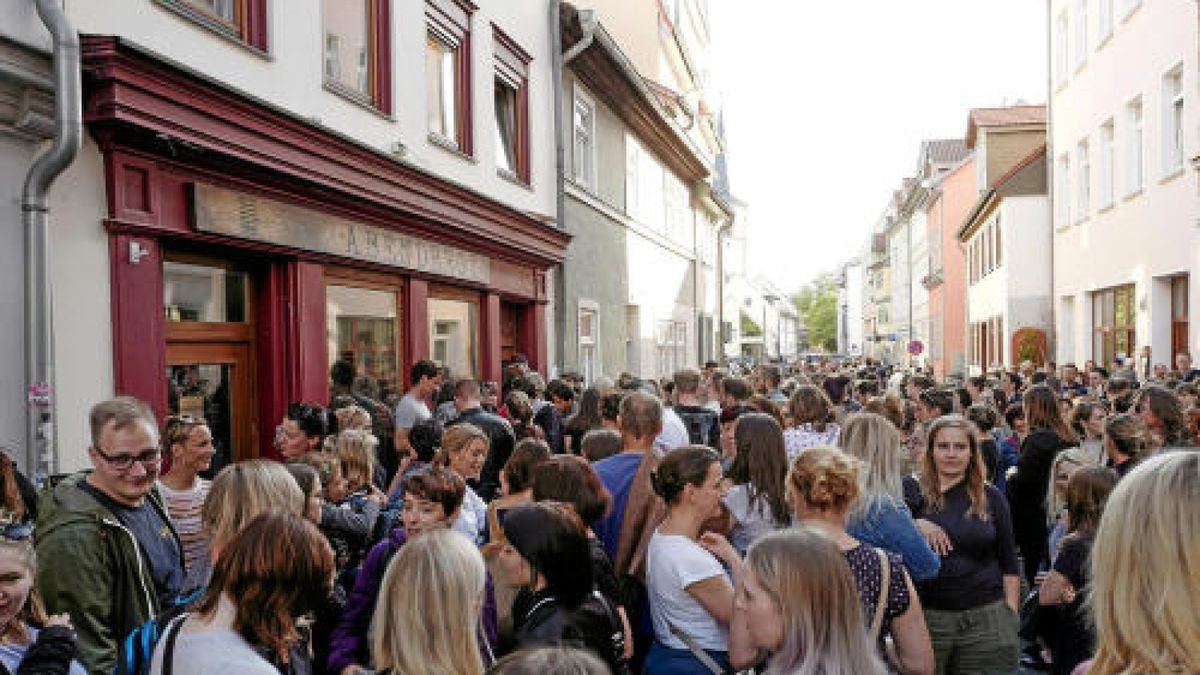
(107, 553)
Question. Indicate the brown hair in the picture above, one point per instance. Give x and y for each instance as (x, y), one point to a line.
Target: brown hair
(244, 490)
(931, 487)
(1087, 492)
(889, 406)
(761, 463)
(456, 439)
(641, 415)
(826, 478)
(328, 467)
(766, 406)
(1166, 407)
(11, 500)
(810, 405)
(525, 458)
(122, 411)
(600, 443)
(1042, 412)
(279, 567)
(177, 429)
(572, 481)
(438, 485)
(681, 467)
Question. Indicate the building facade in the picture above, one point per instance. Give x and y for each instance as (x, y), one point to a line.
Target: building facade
(950, 167)
(1124, 132)
(851, 293)
(261, 193)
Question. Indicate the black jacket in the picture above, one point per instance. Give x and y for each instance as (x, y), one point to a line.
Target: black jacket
(540, 620)
(50, 654)
(1027, 489)
(501, 441)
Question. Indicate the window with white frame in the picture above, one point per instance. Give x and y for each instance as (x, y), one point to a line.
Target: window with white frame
(671, 345)
(1060, 48)
(1083, 177)
(1104, 20)
(1081, 31)
(679, 224)
(1135, 169)
(589, 334)
(584, 140)
(1172, 143)
(1107, 157)
(1062, 191)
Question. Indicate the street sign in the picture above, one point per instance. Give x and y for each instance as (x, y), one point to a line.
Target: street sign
(916, 348)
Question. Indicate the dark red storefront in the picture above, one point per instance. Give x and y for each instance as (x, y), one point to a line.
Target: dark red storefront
(248, 248)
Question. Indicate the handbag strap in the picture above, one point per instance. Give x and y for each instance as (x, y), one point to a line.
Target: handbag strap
(885, 583)
(697, 651)
(168, 660)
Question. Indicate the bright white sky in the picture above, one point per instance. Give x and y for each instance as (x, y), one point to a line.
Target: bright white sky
(826, 105)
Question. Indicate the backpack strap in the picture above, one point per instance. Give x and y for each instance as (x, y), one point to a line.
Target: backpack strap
(172, 632)
(885, 584)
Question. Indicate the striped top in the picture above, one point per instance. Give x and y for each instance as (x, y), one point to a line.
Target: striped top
(183, 507)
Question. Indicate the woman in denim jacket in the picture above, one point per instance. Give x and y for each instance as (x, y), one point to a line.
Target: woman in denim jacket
(880, 517)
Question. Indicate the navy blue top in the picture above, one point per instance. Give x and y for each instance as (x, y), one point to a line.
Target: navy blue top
(617, 474)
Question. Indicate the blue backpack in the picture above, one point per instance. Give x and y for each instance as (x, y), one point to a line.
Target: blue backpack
(137, 649)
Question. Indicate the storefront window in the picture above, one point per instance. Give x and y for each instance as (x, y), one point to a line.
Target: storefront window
(454, 336)
(362, 328)
(199, 293)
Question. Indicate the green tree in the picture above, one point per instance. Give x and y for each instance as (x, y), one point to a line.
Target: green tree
(816, 303)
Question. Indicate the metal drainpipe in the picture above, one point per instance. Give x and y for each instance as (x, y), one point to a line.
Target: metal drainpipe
(40, 438)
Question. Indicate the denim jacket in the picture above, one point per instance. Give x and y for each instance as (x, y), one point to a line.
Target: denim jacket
(887, 524)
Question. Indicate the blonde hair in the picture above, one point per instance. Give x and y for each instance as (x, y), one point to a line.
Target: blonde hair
(1145, 597)
(352, 418)
(807, 577)
(244, 490)
(430, 588)
(327, 466)
(33, 611)
(874, 440)
(456, 439)
(1056, 501)
(931, 488)
(355, 450)
(826, 478)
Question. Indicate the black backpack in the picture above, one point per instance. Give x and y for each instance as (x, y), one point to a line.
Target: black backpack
(699, 424)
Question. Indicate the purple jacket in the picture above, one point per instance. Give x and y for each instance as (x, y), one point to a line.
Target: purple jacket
(349, 644)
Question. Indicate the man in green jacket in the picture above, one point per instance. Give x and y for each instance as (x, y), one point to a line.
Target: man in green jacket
(107, 553)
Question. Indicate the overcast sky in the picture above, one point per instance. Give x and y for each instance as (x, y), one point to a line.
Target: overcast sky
(826, 105)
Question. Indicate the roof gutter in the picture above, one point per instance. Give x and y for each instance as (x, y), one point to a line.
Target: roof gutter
(40, 438)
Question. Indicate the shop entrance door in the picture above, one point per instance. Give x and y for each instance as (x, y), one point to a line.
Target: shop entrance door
(213, 380)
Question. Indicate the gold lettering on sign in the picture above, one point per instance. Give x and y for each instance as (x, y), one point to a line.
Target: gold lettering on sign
(236, 214)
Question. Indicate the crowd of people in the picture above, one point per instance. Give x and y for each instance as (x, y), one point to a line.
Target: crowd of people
(823, 518)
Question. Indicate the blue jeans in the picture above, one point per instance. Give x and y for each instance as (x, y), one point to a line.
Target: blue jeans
(666, 661)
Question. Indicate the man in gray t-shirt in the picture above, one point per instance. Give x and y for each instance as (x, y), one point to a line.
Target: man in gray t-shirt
(424, 380)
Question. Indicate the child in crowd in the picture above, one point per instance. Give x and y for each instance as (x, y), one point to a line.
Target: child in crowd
(48, 648)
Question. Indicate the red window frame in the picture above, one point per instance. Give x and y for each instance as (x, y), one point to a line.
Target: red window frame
(248, 27)
(379, 62)
(449, 22)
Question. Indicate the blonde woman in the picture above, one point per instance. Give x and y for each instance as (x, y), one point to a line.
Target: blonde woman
(971, 606)
(239, 493)
(188, 443)
(880, 517)
(797, 604)
(1065, 464)
(464, 451)
(429, 609)
(822, 486)
(1144, 595)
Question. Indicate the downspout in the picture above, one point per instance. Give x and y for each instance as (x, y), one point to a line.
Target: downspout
(40, 438)
(1053, 347)
(587, 21)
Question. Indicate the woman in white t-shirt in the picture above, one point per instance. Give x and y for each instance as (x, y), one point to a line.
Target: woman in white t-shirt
(690, 596)
(464, 451)
(757, 501)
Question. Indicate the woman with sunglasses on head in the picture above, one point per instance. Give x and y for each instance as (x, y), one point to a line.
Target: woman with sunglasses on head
(302, 430)
(187, 443)
(30, 641)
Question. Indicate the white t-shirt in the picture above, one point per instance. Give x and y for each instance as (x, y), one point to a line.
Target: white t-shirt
(409, 411)
(674, 432)
(672, 564)
(472, 517)
(749, 523)
(216, 652)
(798, 439)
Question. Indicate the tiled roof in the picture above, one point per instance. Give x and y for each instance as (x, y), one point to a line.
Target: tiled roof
(1003, 117)
(944, 151)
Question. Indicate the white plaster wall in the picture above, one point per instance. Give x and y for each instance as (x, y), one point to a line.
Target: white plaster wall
(291, 77)
(1154, 233)
(16, 157)
(899, 261)
(919, 257)
(79, 264)
(854, 308)
(1025, 220)
(661, 287)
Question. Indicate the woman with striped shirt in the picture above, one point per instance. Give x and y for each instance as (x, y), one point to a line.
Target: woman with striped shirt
(187, 443)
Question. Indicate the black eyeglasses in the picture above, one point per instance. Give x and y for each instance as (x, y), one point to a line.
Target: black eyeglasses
(148, 458)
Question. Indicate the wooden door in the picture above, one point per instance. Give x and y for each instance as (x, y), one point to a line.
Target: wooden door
(215, 380)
